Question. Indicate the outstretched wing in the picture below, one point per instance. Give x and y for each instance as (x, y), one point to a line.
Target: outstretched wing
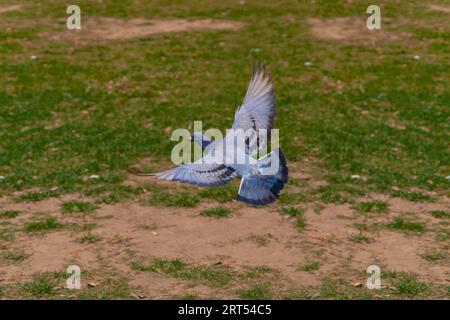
(200, 174)
(258, 108)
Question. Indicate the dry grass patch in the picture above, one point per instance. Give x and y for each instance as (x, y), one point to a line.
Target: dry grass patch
(102, 28)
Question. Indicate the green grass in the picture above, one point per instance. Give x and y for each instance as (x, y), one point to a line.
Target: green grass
(161, 266)
(406, 284)
(218, 212)
(433, 256)
(98, 108)
(411, 287)
(9, 214)
(256, 292)
(300, 223)
(57, 129)
(342, 290)
(360, 238)
(75, 206)
(43, 285)
(313, 266)
(16, 256)
(43, 225)
(222, 194)
(291, 198)
(6, 235)
(375, 206)
(37, 196)
(109, 289)
(293, 211)
(256, 272)
(440, 214)
(404, 225)
(414, 196)
(90, 238)
(178, 269)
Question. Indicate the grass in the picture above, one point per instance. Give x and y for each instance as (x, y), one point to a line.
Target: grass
(342, 290)
(440, 214)
(75, 206)
(404, 225)
(43, 285)
(90, 238)
(257, 292)
(313, 266)
(360, 238)
(300, 223)
(297, 214)
(9, 214)
(161, 266)
(36, 153)
(292, 211)
(43, 225)
(222, 194)
(375, 206)
(101, 107)
(178, 269)
(433, 256)
(37, 196)
(406, 284)
(218, 212)
(111, 288)
(16, 256)
(256, 272)
(6, 235)
(262, 239)
(414, 196)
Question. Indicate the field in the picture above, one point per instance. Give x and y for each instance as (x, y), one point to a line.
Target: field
(363, 118)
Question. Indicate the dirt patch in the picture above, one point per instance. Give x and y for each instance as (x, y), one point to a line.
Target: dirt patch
(250, 237)
(101, 28)
(14, 7)
(436, 7)
(351, 29)
(199, 240)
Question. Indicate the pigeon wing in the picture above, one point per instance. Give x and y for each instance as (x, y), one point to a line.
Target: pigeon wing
(200, 173)
(258, 108)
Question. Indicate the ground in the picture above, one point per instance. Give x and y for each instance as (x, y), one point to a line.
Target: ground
(363, 118)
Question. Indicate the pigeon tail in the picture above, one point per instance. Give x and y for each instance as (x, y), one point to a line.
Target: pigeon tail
(262, 189)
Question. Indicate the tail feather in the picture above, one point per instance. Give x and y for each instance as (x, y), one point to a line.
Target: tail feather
(264, 188)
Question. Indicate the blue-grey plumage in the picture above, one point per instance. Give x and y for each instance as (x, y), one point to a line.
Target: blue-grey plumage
(202, 140)
(257, 112)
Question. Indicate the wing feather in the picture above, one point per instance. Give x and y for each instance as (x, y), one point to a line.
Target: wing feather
(258, 109)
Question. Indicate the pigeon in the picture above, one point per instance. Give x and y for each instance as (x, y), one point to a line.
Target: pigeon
(258, 186)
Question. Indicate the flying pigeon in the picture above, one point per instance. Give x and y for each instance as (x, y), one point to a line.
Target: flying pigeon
(258, 187)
